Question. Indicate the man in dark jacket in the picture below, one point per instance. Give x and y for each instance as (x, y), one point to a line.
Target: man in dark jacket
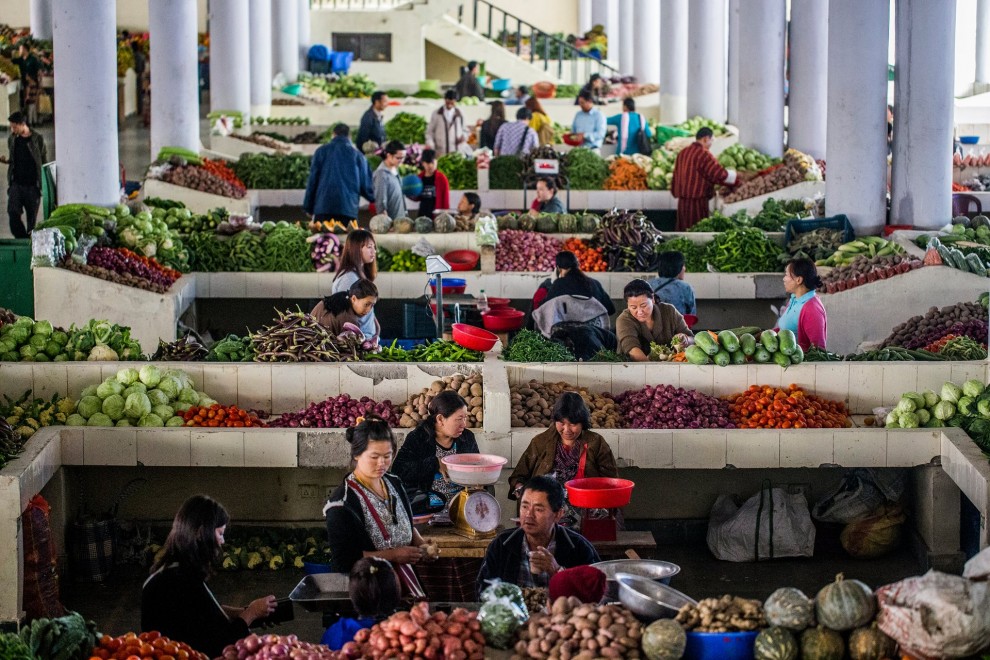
(372, 128)
(26, 156)
(529, 555)
(338, 178)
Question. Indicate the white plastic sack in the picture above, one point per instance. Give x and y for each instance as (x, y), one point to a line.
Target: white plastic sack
(859, 495)
(978, 568)
(732, 530)
(936, 615)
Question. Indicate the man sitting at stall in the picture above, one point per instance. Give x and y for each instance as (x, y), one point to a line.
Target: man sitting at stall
(531, 554)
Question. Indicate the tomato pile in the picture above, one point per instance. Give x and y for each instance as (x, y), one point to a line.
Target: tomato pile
(589, 258)
(147, 645)
(221, 169)
(765, 407)
(217, 415)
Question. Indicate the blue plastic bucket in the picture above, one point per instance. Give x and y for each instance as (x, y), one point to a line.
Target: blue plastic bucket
(720, 646)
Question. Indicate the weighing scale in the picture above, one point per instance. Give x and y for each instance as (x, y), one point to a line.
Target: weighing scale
(475, 512)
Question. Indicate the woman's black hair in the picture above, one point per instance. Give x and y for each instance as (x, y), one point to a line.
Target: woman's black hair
(807, 271)
(193, 542)
(446, 403)
(374, 588)
(629, 103)
(670, 263)
(636, 288)
(549, 182)
(570, 407)
(566, 260)
(371, 429)
(474, 199)
(340, 302)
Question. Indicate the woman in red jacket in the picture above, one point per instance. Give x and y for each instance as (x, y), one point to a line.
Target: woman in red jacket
(436, 188)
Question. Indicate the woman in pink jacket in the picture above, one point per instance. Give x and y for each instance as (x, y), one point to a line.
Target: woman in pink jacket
(804, 314)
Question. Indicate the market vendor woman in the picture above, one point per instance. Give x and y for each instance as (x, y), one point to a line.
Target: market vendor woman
(355, 306)
(646, 321)
(804, 314)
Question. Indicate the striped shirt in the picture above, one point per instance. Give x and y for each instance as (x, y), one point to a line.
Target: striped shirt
(510, 140)
(696, 171)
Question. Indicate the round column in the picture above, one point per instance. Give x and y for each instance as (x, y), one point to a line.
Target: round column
(732, 77)
(285, 39)
(41, 19)
(85, 47)
(856, 142)
(673, 60)
(646, 62)
(174, 74)
(305, 38)
(982, 41)
(230, 51)
(761, 80)
(260, 18)
(613, 31)
(921, 182)
(599, 12)
(585, 16)
(808, 74)
(706, 59)
(627, 22)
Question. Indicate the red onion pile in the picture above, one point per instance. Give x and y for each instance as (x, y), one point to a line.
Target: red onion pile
(125, 263)
(669, 407)
(254, 647)
(520, 250)
(337, 412)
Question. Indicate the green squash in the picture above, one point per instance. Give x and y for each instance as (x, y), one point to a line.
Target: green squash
(589, 223)
(508, 221)
(871, 643)
(822, 644)
(546, 224)
(444, 223)
(845, 604)
(403, 225)
(789, 608)
(380, 224)
(567, 223)
(527, 222)
(664, 639)
(775, 643)
(424, 225)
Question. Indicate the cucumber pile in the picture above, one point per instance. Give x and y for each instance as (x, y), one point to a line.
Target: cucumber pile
(726, 348)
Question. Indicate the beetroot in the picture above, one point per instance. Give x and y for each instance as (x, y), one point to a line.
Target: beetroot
(669, 407)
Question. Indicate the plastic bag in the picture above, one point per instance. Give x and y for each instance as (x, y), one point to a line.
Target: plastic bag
(47, 248)
(486, 231)
(978, 568)
(423, 248)
(508, 594)
(744, 533)
(936, 615)
(875, 535)
(860, 494)
(81, 254)
(499, 622)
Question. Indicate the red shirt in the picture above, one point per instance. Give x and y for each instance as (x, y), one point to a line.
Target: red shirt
(696, 171)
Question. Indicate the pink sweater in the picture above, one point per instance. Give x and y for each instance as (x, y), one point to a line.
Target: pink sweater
(812, 324)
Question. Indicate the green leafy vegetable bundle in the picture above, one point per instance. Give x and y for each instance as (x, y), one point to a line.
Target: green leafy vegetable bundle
(530, 346)
(462, 172)
(585, 169)
(407, 128)
(273, 172)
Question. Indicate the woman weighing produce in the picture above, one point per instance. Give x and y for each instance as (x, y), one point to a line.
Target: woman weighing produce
(646, 321)
(355, 306)
(442, 433)
(369, 515)
(804, 314)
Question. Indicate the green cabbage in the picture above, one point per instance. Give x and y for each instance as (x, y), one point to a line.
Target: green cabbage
(930, 398)
(61, 338)
(919, 400)
(973, 388)
(892, 422)
(909, 420)
(99, 419)
(181, 406)
(75, 419)
(906, 405)
(188, 395)
(175, 421)
(88, 391)
(127, 376)
(137, 406)
(150, 375)
(934, 423)
(163, 411)
(170, 386)
(944, 410)
(43, 328)
(923, 415)
(113, 406)
(966, 406)
(157, 397)
(138, 388)
(37, 342)
(151, 419)
(89, 406)
(108, 387)
(52, 349)
(983, 407)
(951, 392)
(123, 422)
(205, 401)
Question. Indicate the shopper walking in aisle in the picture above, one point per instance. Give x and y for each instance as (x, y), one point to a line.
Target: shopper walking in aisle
(446, 131)
(631, 124)
(468, 84)
(696, 172)
(540, 121)
(387, 184)
(372, 127)
(436, 187)
(589, 122)
(517, 138)
(489, 127)
(339, 177)
(30, 69)
(26, 155)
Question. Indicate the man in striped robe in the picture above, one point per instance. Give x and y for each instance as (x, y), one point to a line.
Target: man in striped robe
(696, 172)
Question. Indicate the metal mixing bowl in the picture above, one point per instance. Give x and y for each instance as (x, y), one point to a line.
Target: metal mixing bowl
(649, 599)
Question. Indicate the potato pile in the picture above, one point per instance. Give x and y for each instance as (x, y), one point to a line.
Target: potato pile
(725, 614)
(532, 405)
(577, 630)
(782, 177)
(470, 388)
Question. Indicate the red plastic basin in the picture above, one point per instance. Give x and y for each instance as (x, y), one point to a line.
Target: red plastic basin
(474, 338)
(462, 259)
(503, 319)
(494, 303)
(599, 492)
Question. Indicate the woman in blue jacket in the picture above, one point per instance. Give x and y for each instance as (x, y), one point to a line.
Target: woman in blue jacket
(629, 124)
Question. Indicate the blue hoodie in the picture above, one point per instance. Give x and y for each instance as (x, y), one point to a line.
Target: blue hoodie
(338, 177)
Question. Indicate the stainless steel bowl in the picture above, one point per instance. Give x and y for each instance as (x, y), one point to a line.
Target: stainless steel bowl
(649, 599)
(653, 569)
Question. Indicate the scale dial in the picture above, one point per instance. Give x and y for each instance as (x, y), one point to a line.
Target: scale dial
(482, 512)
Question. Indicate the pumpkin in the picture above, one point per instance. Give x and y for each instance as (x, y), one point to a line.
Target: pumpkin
(546, 224)
(403, 225)
(567, 223)
(527, 222)
(845, 604)
(789, 608)
(444, 223)
(424, 225)
(870, 643)
(664, 639)
(775, 643)
(589, 223)
(822, 644)
(508, 221)
(380, 224)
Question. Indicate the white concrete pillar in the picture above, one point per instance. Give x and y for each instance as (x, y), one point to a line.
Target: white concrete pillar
(646, 61)
(586, 15)
(174, 74)
(706, 59)
(230, 51)
(732, 77)
(808, 77)
(761, 80)
(983, 41)
(285, 38)
(85, 46)
(599, 12)
(261, 55)
(627, 38)
(921, 182)
(613, 31)
(856, 142)
(305, 38)
(673, 61)
(41, 19)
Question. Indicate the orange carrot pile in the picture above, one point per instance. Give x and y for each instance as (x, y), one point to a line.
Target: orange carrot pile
(625, 175)
(764, 407)
(589, 258)
(217, 415)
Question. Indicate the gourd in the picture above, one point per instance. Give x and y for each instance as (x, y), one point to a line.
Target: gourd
(380, 224)
(403, 225)
(664, 639)
(845, 604)
(567, 223)
(508, 221)
(822, 644)
(589, 223)
(790, 608)
(775, 643)
(546, 224)
(424, 225)
(527, 222)
(870, 643)
(444, 223)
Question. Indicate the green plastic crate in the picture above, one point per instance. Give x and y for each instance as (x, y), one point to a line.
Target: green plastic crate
(17, 292)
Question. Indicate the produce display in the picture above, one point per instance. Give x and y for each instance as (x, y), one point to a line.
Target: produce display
(457, 634)
(575, 629)
(660, 170)
(348, 86)
(407, 128)
(530, 346)
(266, 140)
(816, 244)
(216, 415)
(532, 404)
(27, 340)
(520, 250)
(439, 350)
(725, 614)
(795, 168)
(461, 171)
(694, 253)
(966, 407)
(280, 121)
(470, 388)
(589, 258)
(628, 241)
(231, 349)
(11, 442)
(584, 169)
(146, 645)
(772, 216)
(211, 177)
(186, 348)
(404, 261)
(744, 250)
(68, 637)
(337, 412)
(765, 407)
(505, 173)
(967, 258)
(28, 414)
(273, 172)
(893, 354)
(696, 123)
(298, 337)
(669, 407)
(743, 159)
(866, 270)
(625, 173)
(866, 246)
(122, 266)
(965, 318)
(325, 250)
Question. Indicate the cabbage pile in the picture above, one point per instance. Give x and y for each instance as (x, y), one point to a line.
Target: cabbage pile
(149, 397)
